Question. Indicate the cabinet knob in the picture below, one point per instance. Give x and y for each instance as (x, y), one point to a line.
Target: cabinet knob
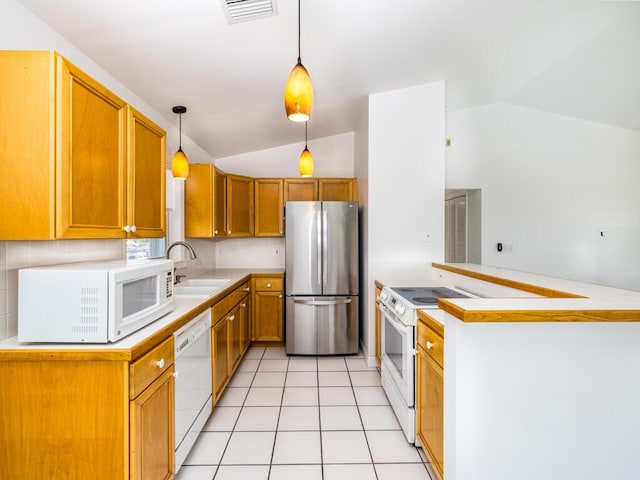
(246, 289)
(229, 232)
(232, 318)
(280, 296)
(175, 374)
(430, 345)
(127, 228)
(268, 285)
(215, 232)
(243, 305)
(160, 363)
(133, 228)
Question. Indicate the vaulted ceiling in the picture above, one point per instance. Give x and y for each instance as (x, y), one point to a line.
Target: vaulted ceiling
(576, 58)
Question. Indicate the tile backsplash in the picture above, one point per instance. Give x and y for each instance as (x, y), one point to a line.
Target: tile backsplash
(15, 255)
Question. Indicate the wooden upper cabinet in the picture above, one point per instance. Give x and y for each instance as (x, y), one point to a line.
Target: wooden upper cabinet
(147, 176)
(338, 189)
(205, 202)
(269, 205)
(240, 198)
(65, 157)
(314, 189)
(300, 189)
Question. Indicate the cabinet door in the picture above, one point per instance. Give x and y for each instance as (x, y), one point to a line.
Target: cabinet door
(235, 337)
(430, 409)
(27, 143)
(90, 175)
(245, 315)
(219, 203)
(240, 196)
(268, 318)
(220, 356)
(152, 430)
(269, 207)
(338, 189)
(300, 189)
(146, 176)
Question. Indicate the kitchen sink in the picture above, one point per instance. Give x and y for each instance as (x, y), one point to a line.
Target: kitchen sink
(197, 291)
(204, 282)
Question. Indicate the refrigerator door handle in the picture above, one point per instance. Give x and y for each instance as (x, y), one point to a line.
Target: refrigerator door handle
(341, 301)
(319, 246)
(325, 254)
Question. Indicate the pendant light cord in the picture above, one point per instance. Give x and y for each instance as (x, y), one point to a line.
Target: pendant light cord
(299, 56)
(180, 141)
(305, 134)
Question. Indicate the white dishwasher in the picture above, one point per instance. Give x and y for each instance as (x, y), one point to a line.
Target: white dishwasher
(193, 402)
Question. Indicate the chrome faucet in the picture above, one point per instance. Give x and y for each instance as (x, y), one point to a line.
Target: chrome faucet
(192, 253)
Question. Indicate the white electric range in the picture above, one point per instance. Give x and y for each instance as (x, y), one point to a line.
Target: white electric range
(399, 316)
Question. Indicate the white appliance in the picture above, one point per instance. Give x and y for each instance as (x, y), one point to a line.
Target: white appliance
(193, 384)
(398, 309)
(92, 302)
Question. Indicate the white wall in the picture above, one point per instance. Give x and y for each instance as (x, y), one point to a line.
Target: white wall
(550, 183)
(405, 186)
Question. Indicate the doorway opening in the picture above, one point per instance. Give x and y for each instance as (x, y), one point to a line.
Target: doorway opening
(462, 220)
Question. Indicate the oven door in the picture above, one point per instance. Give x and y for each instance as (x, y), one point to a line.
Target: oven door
(398, 354)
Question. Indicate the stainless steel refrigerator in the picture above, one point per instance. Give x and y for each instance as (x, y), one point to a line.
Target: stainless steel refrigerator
(321, 279)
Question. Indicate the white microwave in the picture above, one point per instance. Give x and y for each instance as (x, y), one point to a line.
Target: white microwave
(92, 302)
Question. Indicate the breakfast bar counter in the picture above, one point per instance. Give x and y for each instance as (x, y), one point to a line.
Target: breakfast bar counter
(541, 380)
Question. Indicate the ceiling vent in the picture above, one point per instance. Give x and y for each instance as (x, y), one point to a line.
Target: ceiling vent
(243, 10)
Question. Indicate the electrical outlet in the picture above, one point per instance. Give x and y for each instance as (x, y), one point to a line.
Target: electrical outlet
(277, 251)
(508, 248)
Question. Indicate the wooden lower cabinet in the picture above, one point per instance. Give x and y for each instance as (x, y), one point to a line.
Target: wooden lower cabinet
(72, 414)
(220, 356)
(430, 395)
(229, 336)
(268, 309)
(245, 322)
(152, 430)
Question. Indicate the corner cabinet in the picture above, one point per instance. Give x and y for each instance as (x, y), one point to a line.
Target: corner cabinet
(430, 390)
(378, 323)
(69, 166)
(205, 202)
(268, 308)
(240, 205)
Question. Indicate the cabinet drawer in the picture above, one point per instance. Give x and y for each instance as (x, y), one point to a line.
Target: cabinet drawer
(431, 342)
(224, 306)
(268, 284)
(144, 371)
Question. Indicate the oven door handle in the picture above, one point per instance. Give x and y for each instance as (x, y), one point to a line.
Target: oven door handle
(400, 327)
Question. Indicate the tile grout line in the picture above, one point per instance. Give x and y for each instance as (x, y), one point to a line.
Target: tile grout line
(233, 429)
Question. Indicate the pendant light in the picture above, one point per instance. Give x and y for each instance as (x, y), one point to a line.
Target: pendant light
(298, 92)
(180, 164)
(305, 165)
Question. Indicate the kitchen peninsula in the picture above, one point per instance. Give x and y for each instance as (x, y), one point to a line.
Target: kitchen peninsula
(541, 381)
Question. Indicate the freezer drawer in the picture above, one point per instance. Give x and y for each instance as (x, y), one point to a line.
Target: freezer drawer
(322, 325)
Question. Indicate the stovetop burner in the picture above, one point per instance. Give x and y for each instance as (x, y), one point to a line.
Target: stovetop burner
(424, 296)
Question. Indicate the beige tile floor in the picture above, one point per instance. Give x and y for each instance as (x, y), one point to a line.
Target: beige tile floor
(311, 418)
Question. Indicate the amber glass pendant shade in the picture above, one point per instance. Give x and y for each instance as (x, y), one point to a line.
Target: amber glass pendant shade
(298, 94)
(305, 166)
(180, 165)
